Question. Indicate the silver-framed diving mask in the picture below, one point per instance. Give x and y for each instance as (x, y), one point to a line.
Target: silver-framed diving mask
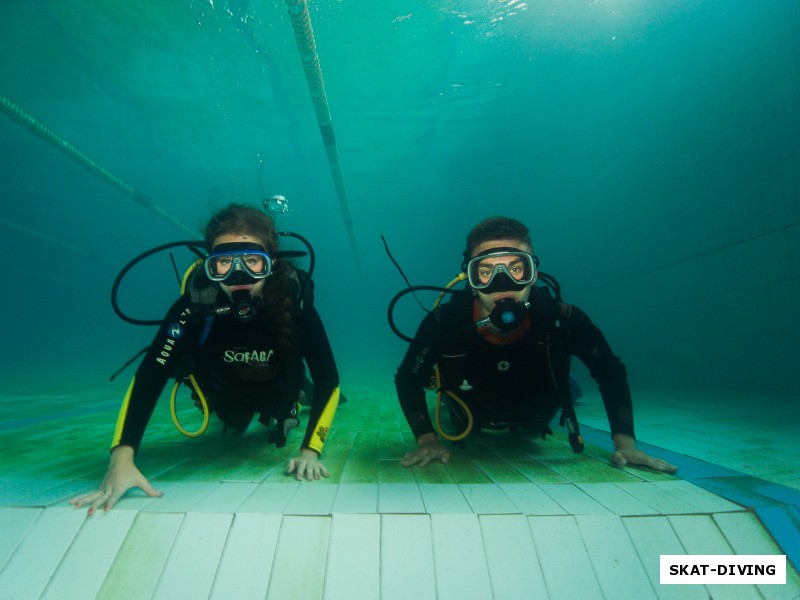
(518, 267)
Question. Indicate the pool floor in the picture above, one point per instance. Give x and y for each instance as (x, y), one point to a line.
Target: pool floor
(508, 517)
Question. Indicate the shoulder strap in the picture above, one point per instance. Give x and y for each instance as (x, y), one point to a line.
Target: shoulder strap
(305, 287)
(202, 292)
(546, 305)
(543, 304)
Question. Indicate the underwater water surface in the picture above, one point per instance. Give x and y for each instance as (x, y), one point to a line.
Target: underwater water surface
(652, 148)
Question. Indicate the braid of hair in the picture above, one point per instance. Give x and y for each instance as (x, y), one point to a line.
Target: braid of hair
(279, 293)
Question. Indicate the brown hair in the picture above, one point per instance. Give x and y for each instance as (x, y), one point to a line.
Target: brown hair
(496, 228)
(280, 288)
(241, 219)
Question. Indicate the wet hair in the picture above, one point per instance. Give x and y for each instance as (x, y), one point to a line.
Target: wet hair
(496, 228)
(280, 288)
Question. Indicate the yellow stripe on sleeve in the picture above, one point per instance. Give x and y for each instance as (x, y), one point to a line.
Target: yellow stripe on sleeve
(123, 412)
(317, 440)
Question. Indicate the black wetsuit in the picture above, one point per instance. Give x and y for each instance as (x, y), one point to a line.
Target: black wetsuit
(519, 379)
(238, 367)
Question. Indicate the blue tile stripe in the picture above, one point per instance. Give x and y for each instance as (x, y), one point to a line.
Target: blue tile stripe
(776, 506)
(783, 523)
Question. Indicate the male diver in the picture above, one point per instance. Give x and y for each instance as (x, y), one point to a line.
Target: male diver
(501, 353)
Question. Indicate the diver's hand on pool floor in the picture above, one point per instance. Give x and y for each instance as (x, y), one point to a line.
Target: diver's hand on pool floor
(122, 475)
(428, 450)
(626, 453)
(306, 466)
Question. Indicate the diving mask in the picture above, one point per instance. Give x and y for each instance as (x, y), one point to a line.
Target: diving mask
(246, 258)
(501, 269)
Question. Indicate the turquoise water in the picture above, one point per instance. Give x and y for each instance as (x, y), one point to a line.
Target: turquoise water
(652, 147)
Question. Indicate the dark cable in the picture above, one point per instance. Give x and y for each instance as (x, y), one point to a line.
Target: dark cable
(408, 283)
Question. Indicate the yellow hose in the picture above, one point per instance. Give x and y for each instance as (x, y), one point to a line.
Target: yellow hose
(460, 277)
(461, 403)
(173, 410)
(173, 397)
(188, 272)
(467, 411)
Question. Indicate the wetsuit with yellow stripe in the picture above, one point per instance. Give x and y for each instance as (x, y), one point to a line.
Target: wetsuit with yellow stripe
(240, 366)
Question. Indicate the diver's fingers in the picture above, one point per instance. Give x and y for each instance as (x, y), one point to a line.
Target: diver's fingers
(92, 497)
(412, 459)
(301, 468)
(79, 501)
(618, 459)
(422, 456)
(146, 488)
(425, 459)
(100, 498)
(661, 465)
(637, 457)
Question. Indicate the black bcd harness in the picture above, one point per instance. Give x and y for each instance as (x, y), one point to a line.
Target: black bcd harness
(208, 302)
